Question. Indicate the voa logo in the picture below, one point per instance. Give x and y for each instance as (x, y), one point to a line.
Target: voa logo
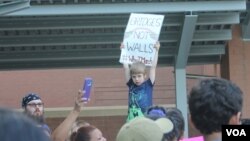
(236, 132)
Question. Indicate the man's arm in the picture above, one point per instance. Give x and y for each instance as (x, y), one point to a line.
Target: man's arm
(61, 132)
(154, 64)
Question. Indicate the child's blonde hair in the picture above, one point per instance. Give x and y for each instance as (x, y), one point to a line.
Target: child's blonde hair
(137, 67)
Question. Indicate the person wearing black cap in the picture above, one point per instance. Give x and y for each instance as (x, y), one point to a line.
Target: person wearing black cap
(34, 108)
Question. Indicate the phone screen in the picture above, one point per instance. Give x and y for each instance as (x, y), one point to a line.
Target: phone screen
(88, 82)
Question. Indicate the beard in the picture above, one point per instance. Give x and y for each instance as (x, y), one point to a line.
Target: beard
(39, 119)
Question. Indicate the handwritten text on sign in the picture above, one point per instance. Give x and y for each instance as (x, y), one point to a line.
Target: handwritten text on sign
(140, 35)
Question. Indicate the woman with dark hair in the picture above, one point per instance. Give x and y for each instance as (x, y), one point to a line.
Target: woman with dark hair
(156, 112)
(176, 116)
(87, 133)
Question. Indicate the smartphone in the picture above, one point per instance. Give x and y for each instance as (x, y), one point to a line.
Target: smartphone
(87, 86)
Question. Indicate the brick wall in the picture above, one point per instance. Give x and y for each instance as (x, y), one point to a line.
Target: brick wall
(57, 87)
(239, 66)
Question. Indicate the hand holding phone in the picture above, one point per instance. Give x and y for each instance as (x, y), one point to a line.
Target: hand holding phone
(88, 82)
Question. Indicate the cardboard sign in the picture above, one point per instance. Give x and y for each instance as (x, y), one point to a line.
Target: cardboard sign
(141, 34)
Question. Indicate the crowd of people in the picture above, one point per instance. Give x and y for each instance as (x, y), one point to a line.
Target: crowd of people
(212, 103)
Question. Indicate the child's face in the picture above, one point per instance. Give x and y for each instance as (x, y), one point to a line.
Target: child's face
(138, 78)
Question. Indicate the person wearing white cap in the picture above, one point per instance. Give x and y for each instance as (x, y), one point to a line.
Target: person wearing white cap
(144, 129)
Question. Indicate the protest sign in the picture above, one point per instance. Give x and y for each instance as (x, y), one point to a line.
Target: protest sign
(141, 34)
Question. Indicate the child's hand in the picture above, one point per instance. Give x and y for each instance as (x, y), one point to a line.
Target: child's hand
(122, 45)
(157, 46)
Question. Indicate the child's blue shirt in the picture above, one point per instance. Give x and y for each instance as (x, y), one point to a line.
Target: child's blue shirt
(142, 94)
